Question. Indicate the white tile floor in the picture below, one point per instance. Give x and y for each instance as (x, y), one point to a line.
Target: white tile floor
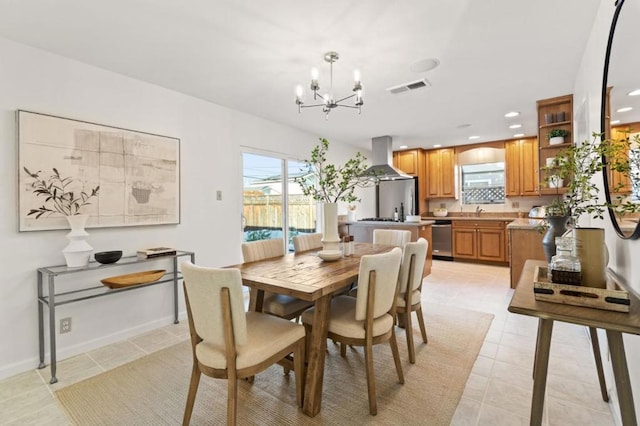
(498, 391)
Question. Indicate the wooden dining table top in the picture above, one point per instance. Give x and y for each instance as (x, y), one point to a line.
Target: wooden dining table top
(305, 275)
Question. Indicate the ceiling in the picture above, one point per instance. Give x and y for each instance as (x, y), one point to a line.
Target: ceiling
(495, 56)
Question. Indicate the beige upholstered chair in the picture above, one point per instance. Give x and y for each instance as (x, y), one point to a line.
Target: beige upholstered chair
(409, 290)
(280, 305)
(391, 237)
(368, 319)
(307, 242)
(229, 343)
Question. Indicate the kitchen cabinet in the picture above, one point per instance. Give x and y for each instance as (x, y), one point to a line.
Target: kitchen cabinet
(440, 173)
(479, 240)
(553, 113)
(620, 183)
(412, 162)
(521, 167)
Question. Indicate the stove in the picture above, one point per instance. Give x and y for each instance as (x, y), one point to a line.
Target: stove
(377, 219)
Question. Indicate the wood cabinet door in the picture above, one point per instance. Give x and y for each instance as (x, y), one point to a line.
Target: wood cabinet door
(464, 243)
(433, 174)
(491, 244)
(529, 167)
(408, 162)
(512, 168)
(447, 172)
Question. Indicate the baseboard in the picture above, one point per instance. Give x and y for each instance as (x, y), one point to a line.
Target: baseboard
(80, 348)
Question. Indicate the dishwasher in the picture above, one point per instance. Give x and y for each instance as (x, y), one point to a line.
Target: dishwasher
(442, 246)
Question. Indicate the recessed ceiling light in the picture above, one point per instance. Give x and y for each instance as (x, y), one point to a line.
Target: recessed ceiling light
(438, 145)
(424, 65)
(463, 126)
(615, 122)
(515, 126)
(625, 109)
(404, 146)
(634, 92)
(518, 135)
(474, 137)
(512, 114)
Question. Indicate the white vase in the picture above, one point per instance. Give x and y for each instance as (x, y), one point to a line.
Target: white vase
(78, 251)
(351, 216)
(593, 254)
(557, 140)
(330, 236)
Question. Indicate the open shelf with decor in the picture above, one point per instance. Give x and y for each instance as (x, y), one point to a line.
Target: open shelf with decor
(555, 128)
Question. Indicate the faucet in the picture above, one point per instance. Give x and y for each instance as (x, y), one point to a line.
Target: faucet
(478, 211)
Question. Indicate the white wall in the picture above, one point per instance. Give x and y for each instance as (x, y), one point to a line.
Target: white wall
(211, 137)
(622, 253)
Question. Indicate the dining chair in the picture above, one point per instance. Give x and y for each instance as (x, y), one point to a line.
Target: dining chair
(367, 319)
(307, 242)
(410, 290)
(280, 305)
(229, 343)
(391, 237)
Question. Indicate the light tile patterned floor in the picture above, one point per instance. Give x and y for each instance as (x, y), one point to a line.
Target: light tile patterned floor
(498, 391)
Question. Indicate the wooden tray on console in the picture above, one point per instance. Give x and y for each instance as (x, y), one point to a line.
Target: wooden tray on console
(136, 278)
(609, 298)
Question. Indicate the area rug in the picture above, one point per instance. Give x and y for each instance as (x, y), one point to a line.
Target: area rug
(152, 390)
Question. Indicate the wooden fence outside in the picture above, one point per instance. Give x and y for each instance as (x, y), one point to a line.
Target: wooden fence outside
(265, 211)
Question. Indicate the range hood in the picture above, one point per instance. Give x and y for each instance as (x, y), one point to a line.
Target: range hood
(382, 160)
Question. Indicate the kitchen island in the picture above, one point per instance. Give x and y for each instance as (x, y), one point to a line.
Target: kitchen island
(525, 243)
(362, 232)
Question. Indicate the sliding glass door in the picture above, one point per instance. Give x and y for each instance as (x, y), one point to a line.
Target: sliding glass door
(271, 208)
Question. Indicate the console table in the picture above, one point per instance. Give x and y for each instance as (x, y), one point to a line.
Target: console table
(614, 323)
(51, 298)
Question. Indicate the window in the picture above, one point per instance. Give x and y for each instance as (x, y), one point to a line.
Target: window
(272, 209)
(483, 183)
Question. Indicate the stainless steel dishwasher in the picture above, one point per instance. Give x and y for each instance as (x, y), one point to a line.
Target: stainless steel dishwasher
(442, 240)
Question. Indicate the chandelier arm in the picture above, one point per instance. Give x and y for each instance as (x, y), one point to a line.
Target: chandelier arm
(311, 106)
(349, 106)
(345, 98)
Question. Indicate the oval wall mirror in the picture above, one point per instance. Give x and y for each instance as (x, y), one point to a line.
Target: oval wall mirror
(620, 112)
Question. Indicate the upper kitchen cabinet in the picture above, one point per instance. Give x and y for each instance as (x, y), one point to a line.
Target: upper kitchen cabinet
(441, 173)
(412, 162)
(521, 167)
(620, 183)
(555, 116)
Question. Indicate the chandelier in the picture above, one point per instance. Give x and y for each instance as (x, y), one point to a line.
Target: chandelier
(328, 101)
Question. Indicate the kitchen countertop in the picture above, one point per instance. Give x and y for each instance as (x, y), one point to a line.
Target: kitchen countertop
(386, 223)
(472, 217)
(525, 223)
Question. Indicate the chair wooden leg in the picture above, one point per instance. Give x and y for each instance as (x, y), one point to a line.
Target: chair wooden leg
(232, 400)
(396, 356)
(371, 380)
(191, 396)
(423, 329)
(299, 371)
(409, 330)
(343, 349)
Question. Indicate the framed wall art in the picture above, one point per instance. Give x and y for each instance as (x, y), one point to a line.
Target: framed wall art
(118, 177)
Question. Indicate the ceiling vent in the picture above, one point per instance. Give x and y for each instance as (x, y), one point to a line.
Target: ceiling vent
(413, 85)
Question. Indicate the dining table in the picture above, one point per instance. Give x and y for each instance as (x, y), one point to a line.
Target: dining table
(306, 276)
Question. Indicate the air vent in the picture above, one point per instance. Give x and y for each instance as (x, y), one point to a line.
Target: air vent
(413, 85)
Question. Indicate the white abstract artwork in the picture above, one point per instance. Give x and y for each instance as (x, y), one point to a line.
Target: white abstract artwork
(137, 173)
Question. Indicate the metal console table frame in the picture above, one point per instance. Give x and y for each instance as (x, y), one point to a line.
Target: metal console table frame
(51, 299)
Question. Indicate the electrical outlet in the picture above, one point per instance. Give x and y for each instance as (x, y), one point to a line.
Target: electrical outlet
(515, 204)
(443, 205)
(65, 325)
(219, 195)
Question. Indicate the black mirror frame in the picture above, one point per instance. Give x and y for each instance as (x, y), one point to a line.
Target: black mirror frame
(603, 126)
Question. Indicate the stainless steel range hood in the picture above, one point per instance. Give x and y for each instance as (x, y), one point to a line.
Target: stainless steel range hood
(382, 160)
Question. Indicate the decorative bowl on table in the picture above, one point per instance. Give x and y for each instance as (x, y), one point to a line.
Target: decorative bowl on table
(441, 212)
(330, 255)
(106, 257)
(136, 278)
(413, 218)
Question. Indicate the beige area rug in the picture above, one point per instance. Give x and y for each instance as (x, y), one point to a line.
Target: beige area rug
(152, 390)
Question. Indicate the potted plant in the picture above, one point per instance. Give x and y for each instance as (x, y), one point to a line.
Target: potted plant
(556, 136)
(65, 196)
(330, 184)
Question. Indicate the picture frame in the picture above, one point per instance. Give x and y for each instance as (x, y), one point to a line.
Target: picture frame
(138, 173)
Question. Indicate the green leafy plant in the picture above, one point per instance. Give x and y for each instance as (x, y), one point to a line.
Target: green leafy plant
(557, 133)
(59, 198)
(330, 183)
(259, 234)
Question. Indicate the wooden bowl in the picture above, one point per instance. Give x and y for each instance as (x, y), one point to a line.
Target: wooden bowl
(136, 278)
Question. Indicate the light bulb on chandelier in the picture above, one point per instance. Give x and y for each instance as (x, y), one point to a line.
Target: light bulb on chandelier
(328, 102)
